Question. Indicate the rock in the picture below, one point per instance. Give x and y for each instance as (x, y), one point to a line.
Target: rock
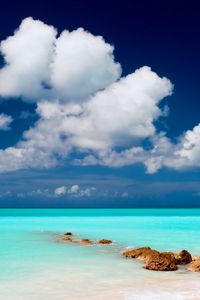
(66, 239)
(194, 266)
(67, 233)
(103, 241)
(183, 257)
(196, 257)
(164, 261)
(134, 253)
(144, 253)
(147, 254)
(85, 242)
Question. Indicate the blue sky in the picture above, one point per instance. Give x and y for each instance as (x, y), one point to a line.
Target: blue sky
(103, 116)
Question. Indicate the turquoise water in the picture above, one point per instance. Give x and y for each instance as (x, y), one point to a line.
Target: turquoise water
(34, 264)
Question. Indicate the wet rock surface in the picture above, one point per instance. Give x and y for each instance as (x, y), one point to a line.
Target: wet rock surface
(134, 253)
(69, 237)
(183, 257)
(85, 242)
(66, 238)
(147, 255)
(159, 261)
(194, 266)
(164, 261)
(104, 242)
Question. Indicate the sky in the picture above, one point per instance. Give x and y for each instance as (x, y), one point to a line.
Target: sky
(99, 104)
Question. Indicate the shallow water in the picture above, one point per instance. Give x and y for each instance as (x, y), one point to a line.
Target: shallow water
(35, 265)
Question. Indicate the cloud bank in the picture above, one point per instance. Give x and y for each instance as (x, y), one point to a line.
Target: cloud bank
(88, 114)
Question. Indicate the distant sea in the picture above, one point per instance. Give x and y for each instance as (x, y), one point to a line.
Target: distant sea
(34, 265)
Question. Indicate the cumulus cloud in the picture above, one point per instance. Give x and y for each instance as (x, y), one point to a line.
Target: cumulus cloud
(188, 150)
(84, 108)
(119, 116)
(184, 154)
(87, 192)
(74, 191)
(38, 64)
(60, 191)
(27, 56)
(83, 64)
(5, 121)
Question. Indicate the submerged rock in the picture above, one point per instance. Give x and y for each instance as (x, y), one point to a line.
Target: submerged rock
(194, 266)
(66, 238)
(67, 233)
(85, 242)
(164, 261)
(183, 257)
(103, 241)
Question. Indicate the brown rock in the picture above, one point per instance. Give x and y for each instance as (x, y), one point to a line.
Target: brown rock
(194, 266)
(66, 239)
(85, 242)
(147, 254)
(103, 241)
(196, 257)
(67, 233)
(134, 253)
(164, 261)
(183, 257)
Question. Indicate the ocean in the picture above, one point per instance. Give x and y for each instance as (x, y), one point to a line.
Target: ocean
(35, 265)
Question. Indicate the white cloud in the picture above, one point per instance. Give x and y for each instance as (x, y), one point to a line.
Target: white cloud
(60, 191)
(185, 153)
(73, 189)
(39, 65)
(84, 107)
(83, 64)
(76, 191)
(27, 54)
(119, 116)
(5, 121)
(87, 192)
(188, 150)
(114, 159)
